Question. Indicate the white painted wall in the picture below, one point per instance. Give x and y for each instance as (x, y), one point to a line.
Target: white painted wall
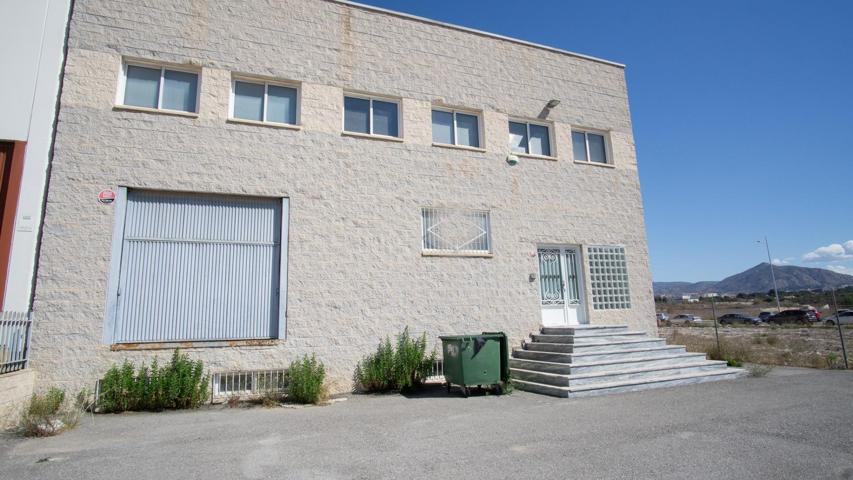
(31, 44)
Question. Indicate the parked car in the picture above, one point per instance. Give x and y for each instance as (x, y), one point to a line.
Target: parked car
(793, 316)
(812, 309)
(685, 319)
(846, 317)
(763, 316)
(731, 318)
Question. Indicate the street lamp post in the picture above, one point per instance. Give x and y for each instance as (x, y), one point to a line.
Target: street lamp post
(772, 274)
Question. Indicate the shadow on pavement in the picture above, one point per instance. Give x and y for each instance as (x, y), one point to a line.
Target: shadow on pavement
(439, 390)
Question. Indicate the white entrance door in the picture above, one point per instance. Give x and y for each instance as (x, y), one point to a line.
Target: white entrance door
(561, 287)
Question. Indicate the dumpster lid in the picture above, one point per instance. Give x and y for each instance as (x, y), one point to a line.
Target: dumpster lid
(473, 335)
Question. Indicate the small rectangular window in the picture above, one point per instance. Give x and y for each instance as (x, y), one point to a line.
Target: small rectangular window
(371, 116)
(179, 91)
(264, 102)
(456, 231)
(450, 127)
(442, 127)
(142, 87)
(579, 146)
(281, 104)
(467, 130)
(530, 138)
(540, 143)
(160, 88)
(608, 275)
(249, 101)
(518, 137)
(357, 115)
(589, 147)
(384, 118)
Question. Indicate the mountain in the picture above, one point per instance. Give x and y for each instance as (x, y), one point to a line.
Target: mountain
(677, 289)
(757, 279)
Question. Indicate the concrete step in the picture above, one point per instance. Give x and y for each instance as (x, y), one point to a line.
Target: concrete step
(594, 347)
(662, 348)
(605, 366)
(629, 385)
(582, 330)
(589, 338)
(591, 357)
(642, 371)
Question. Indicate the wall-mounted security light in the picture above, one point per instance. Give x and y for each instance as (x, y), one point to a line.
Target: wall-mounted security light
(552, 103)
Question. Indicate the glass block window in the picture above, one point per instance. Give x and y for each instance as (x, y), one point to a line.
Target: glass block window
(264, 102)
(371, 116)
(608, 275)
(456, 231)
(160, 88)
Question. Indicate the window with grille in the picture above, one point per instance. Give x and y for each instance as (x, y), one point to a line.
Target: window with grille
(456, 231)
(608, 274)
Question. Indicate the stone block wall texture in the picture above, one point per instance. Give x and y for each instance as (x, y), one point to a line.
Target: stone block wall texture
(356, 273)
(15, 390)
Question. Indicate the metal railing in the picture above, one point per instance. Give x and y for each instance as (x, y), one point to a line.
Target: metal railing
(247, 383)
(437, 373)
(15, 330)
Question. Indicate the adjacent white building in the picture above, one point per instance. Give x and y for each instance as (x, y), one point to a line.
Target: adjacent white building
(31, 51)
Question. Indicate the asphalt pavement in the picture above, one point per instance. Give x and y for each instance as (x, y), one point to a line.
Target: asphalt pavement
(794, 423)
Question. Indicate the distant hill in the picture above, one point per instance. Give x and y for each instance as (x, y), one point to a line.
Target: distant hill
(757, 279)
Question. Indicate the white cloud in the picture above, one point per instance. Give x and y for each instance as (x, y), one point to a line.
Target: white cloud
(840, 269)
(834, 251)
(782, 261)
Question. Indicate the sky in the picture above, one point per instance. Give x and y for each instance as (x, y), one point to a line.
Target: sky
(742, 113)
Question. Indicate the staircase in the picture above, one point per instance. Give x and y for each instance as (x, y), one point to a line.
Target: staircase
(594, 360)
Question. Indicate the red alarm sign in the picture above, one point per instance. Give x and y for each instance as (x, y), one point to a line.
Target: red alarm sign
(106, 196)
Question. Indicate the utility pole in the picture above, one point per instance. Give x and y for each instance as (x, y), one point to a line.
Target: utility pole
(772, 275)
(716, 332)
(840, 333)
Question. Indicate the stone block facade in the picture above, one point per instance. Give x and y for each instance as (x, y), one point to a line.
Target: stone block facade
(356, 270)
(15, 390)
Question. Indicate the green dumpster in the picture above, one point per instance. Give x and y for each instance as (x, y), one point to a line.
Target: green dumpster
(475, 360)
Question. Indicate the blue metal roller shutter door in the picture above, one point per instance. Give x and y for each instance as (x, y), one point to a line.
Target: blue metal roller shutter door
(198, 267)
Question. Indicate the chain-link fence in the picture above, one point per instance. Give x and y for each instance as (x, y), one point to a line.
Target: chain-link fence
(801, 336)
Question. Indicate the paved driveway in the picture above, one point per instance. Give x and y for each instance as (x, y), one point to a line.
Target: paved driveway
(792, 424)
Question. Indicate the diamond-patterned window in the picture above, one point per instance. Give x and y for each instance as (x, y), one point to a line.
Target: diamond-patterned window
(608, 274)
(456, 231)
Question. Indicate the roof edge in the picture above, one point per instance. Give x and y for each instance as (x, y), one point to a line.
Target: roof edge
(474, 31)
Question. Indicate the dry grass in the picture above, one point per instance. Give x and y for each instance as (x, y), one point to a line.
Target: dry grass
(799, 347)
(233, 401)
(758, 370)
(50, 413)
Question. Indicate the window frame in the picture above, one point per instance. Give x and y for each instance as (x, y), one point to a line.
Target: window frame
(371, 98)
(551, 144)
(266, 83)
(608, 155)
(439, 252)
(122, 86)
(453, 111)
